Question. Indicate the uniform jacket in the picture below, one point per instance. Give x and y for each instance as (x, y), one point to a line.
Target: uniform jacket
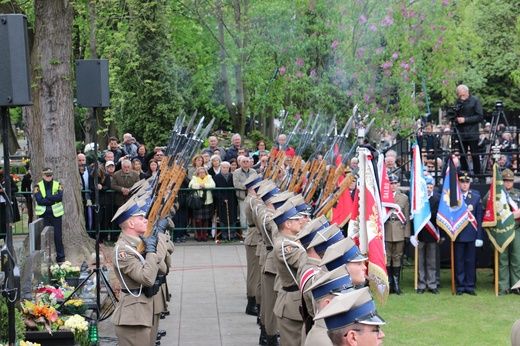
(130, 271)
(469, 234)
(288, 254)
(268, 230)
(239, 181)
(312, 263)
(394, 229)
(318, 335)
(121, 180)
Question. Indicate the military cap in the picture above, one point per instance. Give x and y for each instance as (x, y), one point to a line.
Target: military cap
(281, 198)
(286, 212)
(267, 191)
(300, 205)
(132, 207)
(465, 176)
(47, 171)
(335, 282)
(429, 180)
(393, 178)
(308, 231)
(252, 181)
(353, 307)
(325, 238)
(508, 174)
(342, 252)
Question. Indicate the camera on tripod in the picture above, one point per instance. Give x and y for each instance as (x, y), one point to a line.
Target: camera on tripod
(453, 111)
(499, 107)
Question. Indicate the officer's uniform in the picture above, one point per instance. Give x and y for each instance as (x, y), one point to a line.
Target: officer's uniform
(509, 260)
(134, 314)
(49, 206)
(289, 256)
(464, 244)
(397, 228)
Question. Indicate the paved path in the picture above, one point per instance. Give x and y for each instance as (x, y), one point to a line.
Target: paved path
(208, 285)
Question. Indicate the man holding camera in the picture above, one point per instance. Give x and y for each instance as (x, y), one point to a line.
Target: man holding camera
(468, 115)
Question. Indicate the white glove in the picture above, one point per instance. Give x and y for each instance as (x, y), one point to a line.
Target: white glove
(414, 241)
(479, 243)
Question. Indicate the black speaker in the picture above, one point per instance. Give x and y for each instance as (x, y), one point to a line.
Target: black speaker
(92, 83)
(15, 81)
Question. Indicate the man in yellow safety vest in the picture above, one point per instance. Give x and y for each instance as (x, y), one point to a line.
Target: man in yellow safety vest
(48, 194)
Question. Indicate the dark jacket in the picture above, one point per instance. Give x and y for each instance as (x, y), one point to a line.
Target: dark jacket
(469, 234)
(473, 114)
(425, 236)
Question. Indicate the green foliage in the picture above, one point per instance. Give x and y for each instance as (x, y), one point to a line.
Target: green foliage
(4, 324)
(256, 136)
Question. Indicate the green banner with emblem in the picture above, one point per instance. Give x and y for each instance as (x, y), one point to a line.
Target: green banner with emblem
(498, 210)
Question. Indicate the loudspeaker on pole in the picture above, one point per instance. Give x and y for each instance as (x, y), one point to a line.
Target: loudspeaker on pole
(15, 81)
(92, 89)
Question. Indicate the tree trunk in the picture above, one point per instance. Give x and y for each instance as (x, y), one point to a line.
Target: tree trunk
(50, 123)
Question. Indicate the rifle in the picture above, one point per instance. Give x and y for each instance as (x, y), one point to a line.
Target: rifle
(315, 182)
(333, 198)
(282, 125)
(329, 182)
(291, 173)
(297, 183)
(324, 140)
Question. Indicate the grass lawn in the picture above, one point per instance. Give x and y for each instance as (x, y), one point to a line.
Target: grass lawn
(446, 319)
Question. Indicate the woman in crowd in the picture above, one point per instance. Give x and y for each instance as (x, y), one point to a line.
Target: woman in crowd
(106, 210)
(153, 166)
(260, 147)
(137, 167)
(207, 160)
(202, 217)
(141, 154)
(233, 165)
(215, 165)
(196, 162)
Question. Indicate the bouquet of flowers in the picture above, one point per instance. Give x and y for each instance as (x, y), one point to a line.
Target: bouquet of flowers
(64, 270)
(79, 327)
(74, 306)
(48, 295)
(39, 316)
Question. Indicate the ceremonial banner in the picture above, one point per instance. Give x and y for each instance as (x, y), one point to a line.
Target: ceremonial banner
(387, 196)
(420, 205)
(499, 221)
(346, 207)
(452, 215)
(370, 226)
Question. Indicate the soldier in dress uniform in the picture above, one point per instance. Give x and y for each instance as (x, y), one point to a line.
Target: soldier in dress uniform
(345, 252)
(268, 229)
(509, 260)
(323, 291)
(352, 319)
(468, 240)
(397, 229)
(137, 273)
(289, 256)
(251, 241)
(48, 194)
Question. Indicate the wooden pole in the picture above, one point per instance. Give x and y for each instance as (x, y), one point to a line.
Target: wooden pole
(452, 269)
(496, 272)
(416, 276)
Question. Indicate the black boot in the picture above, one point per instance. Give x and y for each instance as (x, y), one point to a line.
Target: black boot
(396, 273)
(272, 340)
(251, 306)
(263, 336)
(258, 321)
(390, 280)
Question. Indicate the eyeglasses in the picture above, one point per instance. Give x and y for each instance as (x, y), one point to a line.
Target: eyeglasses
(376, 330)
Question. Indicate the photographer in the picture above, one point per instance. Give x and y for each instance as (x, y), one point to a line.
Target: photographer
(468, 115)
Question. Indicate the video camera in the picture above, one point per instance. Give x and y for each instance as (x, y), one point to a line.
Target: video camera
(499, 107)
(453, 111)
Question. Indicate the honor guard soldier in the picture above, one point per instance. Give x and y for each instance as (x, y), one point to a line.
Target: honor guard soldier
(48, 194)
(345, 252)
(468, 239)
(397, 229)
(289, 256)
(352, 319)
(323, 291)
(509, 260)
(137, 273)
(268, 229)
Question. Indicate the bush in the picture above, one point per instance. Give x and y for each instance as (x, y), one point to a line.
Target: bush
(4, 324)
(256, 136)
